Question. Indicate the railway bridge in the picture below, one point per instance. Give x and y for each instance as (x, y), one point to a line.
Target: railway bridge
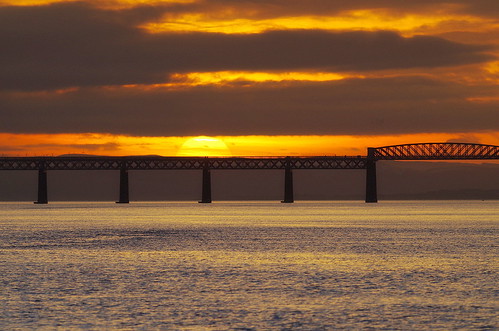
(421, 151)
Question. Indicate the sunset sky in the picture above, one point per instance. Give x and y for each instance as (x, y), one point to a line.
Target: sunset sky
(245, 77)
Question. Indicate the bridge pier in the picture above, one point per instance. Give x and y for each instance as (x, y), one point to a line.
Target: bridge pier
(371, 186)
(42, 186)
(124, 192)
(288, 184)
(206, 184)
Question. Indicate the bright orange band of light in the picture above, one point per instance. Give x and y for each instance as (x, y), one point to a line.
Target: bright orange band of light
(121, 145)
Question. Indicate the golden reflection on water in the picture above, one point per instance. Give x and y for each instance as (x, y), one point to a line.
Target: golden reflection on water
(249, 265)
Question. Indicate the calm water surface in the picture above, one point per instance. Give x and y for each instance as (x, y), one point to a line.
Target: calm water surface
(249, 265)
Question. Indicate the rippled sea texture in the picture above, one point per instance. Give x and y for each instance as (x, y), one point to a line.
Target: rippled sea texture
(258, 265)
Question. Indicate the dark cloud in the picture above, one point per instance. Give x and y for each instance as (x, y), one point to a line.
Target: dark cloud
(7, 148)
(469, 138)
(77, 45)
(79, 147)
(487, 8)
(356, 106)
(59, 46)
(490, 36)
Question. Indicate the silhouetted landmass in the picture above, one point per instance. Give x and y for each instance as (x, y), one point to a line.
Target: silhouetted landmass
(77, 155)
(95, 155)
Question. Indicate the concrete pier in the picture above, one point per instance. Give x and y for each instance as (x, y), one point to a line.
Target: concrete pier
(124, 189)
(288, 184)
(42, 186)
(371, 186)
(206, 185)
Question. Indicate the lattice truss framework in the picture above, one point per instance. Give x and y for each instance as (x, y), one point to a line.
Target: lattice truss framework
(437, 151)
(178, 163)
(426, 151)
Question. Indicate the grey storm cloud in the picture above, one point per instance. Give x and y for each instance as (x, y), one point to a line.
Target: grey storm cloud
(74, 44)
(352, 106)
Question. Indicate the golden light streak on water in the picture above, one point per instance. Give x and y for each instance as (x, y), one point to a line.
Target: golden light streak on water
(260, 265)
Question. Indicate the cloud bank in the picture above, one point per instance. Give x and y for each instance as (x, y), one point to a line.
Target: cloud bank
(74, 67)
(355, 106)
(68, 45)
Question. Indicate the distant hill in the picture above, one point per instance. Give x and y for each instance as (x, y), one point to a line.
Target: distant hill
(92, 155)
(78, 155)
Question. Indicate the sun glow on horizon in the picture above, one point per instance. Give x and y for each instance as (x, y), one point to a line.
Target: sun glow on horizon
(204, 146)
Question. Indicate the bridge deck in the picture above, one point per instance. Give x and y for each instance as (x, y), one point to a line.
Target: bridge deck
(180, 163)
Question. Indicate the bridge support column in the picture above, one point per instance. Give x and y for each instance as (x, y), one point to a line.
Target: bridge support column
(124, 192)
(371, 186)
(288, 184)
(206, 189)
(42, 186)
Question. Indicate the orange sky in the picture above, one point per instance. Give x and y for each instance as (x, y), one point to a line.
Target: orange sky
(161, 73)
(119, 145)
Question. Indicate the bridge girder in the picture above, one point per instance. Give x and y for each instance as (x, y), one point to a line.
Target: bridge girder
(424, 151)
(437, 151)
(179, 163)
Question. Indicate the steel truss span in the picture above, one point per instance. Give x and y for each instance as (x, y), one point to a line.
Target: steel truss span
(436, 151)
(179, 163)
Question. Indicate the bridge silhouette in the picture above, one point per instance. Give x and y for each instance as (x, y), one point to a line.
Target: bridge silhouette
(421, 151)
